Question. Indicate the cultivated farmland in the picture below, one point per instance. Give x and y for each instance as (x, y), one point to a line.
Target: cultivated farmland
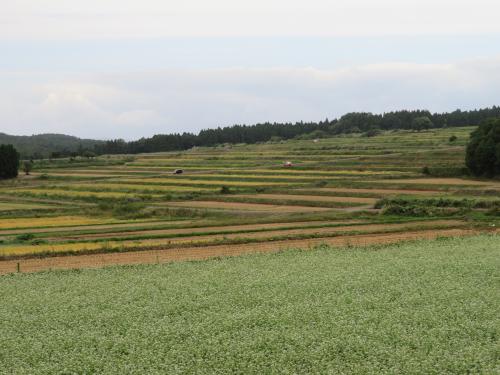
(234, 199)
(428, 307)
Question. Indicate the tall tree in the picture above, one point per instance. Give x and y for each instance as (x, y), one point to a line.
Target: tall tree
(9, 161)
(483, 151)
(421, 123)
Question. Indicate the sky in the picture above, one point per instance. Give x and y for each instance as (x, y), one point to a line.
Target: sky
(128, 69)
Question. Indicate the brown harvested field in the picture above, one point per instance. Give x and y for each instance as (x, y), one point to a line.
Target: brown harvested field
(245, 206)
(377, 191)
(308, 198)
(195, 253)
(439, 181)
(226, 228)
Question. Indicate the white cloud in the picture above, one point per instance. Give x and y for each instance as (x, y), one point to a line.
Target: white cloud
(63, 19)
(142, 104)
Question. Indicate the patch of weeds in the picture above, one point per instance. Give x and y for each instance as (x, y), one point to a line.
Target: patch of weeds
(321, 183)
(25, 237)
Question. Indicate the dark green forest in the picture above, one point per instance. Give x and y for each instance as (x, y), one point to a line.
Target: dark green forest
(359, 122)
(48, 145)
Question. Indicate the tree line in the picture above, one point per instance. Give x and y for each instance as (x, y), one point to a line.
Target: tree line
(356, 122)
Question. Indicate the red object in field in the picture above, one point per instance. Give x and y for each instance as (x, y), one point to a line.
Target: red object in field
(287, 164)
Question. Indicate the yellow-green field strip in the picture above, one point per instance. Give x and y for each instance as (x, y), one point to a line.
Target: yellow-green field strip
(274, 235)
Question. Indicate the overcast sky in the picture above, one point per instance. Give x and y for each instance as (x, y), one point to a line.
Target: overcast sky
(127, 69)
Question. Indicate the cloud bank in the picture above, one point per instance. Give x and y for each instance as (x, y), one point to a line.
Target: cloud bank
(63, 19)
(142, 104)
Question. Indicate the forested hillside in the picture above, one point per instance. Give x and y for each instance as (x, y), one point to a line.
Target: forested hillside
(46, 145)
(358, 122)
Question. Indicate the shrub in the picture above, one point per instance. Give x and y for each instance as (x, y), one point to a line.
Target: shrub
(421, 123)
(495, 211)
(129, 210)
(428, 206)
(371, 133)
(409, 210)
(452, 139)
(312, 135)
(426, 170)
(321, 183)
(27, 167)
(25, 237)
(225, 190)
(38, 241)
(190, 196)
(483, 150)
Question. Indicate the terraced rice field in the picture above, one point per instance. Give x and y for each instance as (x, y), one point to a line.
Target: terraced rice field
(235, 199)
(444, 181)
(215, 205)
(309, 198)
(71, 193)
(51, 221)
(181, 181)
(6, 206)
(172, 238)
(378, 192)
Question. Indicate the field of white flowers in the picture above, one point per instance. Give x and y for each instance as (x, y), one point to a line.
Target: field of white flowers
(428, 307)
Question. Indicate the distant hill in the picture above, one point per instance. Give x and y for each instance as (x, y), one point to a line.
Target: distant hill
(42, 145)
